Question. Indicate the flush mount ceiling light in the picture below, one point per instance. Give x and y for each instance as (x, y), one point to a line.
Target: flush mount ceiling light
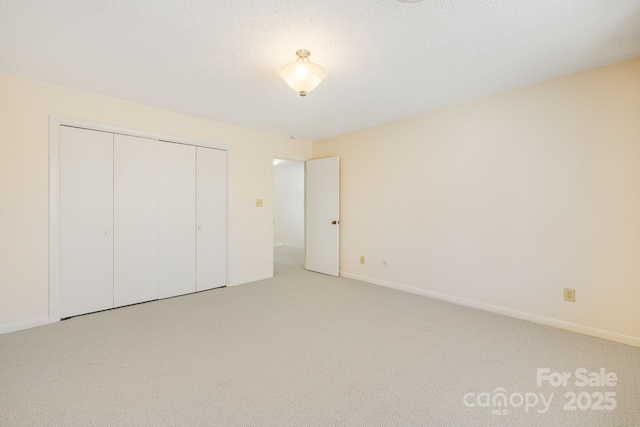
(303, 76)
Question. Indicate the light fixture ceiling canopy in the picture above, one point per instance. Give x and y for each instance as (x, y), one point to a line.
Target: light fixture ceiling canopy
(303, 75)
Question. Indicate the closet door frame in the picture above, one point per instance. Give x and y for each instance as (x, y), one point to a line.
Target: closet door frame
(55, 122)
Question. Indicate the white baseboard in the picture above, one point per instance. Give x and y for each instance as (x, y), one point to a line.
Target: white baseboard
(275, 245)
(251, 279)
(12, 327)
(574, 327)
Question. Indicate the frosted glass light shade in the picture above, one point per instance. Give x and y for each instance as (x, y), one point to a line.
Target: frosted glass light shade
(303, 76)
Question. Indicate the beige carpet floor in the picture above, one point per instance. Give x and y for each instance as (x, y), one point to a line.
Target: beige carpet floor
(303, 349)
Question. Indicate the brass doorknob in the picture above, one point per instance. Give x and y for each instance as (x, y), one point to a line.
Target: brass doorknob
(334, 222)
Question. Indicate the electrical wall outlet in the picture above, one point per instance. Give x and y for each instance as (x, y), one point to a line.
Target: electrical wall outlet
(258, 203)
(384, 263)
(361, 259)
(569, 294)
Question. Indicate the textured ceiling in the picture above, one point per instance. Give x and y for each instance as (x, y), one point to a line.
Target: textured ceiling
(385, 59)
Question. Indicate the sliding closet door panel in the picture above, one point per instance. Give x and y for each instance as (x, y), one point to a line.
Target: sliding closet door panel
(86, 221)
(211, 218)
(135, 220)
(177, 219)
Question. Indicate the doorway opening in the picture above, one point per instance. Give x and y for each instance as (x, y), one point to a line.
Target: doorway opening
(288, 214)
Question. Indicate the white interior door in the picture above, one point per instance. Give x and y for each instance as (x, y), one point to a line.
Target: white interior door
(322, 209)
(177, 205)
(86, 221)
(135, 217)
(211, 211)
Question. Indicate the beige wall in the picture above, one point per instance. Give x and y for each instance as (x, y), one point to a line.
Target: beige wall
(506, 200)
(25, 107)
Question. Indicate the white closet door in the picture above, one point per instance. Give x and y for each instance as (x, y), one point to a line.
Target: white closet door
(177, 219)
(211, 267)
(135, 217)
(86, 221)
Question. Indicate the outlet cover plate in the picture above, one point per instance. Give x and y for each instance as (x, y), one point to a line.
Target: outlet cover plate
(569, 294)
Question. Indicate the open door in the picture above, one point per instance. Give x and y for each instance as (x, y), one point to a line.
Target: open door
(322, 225)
